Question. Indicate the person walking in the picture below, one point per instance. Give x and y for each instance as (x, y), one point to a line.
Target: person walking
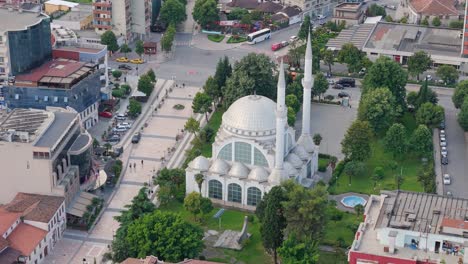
(141, 162)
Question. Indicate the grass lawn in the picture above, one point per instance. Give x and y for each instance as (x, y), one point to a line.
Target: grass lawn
(253, 252)
(214, 123)
(322, 164)
(408, 165)
(332, 258)
(238, 40)
(345, 228)
(216, 38)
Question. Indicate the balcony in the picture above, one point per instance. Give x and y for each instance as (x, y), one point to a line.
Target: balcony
(102, 4)
(104, 12)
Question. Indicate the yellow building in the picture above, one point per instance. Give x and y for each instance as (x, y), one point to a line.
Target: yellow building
(52, 6)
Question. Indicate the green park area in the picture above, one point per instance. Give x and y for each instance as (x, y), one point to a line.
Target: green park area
(216, 38)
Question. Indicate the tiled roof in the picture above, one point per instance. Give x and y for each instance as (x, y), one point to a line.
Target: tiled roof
(454, 223)
(248, 4)
(3, 244)
(25, 238)
(7, 219)
(147, 260)
(56, 68)
(291, 11)
(269, 7)
(35, 207)
(195, 261)
(434, 7)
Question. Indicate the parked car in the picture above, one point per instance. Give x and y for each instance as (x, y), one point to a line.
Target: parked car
(331, 81)
(442, 125)
(443, 143)
(276, 46)
(136, 138)
(343, 94)
(293, 38)
(443, 151)
(121, 117)
(125, 67)
(442, 139)
(447, 179)
(444, 160)
(321, 17)
(449, 193)
(362, 72)
(118, 151)
(338, 86)
(119, 129)
(442, 132)
(429, 77)
(347, 82)
(113, 138)
(122, 59)
(105, 114)
(125, 124)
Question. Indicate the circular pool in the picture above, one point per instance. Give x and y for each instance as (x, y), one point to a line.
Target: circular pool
(353, 200)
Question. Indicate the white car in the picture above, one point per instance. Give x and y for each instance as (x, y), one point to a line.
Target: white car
(119, 129)
(293, 38)
(125, 124)
(429, 77)
(120, 117)
(321, 17)
(443, 143)
(443, 151)
(442, 132)
(442, 139)
(447, 179)
(331, 82)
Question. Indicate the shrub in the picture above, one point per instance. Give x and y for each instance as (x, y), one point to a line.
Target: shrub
(216, 38)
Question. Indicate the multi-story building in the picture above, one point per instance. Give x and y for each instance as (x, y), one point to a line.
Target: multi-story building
(350, 13)
(417, 10)
(30, 227)
(412, 228)
(128, 18)
(43, 152)
(24, 41)
(313, 8)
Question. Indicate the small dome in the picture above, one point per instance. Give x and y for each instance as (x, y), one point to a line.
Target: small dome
(294, 160)
(200, 163)
(301, 152)
(251, 113)
(220, 167)
(289, 168)
(258, 174)
(239, 170)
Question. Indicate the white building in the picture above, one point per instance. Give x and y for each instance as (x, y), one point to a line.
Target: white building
(256, 150)
(30, 227)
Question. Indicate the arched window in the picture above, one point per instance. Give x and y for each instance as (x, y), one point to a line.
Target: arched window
(254, 195)
(234, 193)
(243, 152)
(259, 158)
(215, 189)
(226, 153)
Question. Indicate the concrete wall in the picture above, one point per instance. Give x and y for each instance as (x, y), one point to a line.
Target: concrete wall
(138, 16)
(119, 18)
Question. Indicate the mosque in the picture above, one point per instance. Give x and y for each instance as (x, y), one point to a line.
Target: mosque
(255, 149)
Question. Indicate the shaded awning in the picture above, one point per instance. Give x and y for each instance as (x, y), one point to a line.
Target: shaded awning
(101, 179)
(79, 204)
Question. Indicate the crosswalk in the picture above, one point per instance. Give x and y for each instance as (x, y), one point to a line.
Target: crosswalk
(182, 43)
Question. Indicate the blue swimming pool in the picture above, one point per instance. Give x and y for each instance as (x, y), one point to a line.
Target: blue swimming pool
(353, 200)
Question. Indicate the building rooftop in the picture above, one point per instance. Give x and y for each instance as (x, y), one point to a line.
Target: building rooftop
(88, 34)
(81, 141)
(60, 123)
(35, 207)
(7, 219)
(23, 125)
(25, 238)
(349, 6)
(59, 71)
(15, 20)
(434, 7)
(77, 14)
(411, 38)
(357, 35)
(269, 7)
(291, 11)
(62, 3)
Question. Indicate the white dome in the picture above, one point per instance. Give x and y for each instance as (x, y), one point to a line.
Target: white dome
(220, 167)
(301, 152)
(294, 160)
(289, 168)
(200, 163)
(251, 113)
(239, 170)
(258, 174)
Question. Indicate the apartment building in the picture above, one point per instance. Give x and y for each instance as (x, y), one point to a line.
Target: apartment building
(313, 8)
(350, 13)
(30, 227)
(24, 41)
(43, 151)
(412, 228)
(128, 18)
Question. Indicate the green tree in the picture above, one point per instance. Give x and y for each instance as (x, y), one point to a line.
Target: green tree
(295, 251)
(388, 18)
(387, 73)
(351, 56)
(412, 99)
(305, 28)
(328, 58)
(430, 115)
(273, 222)
(436, 21)
(223, 72)
(252, 74)
(456, 24)
(165, 235)
(317, 138)
(463, 115)
(173, 12)
(197, 205)
(291, 115)
(359, 209)
(117, 74)
(150, 73)
(426, 95)
(421, 141)
(378, 108)
(395, 140)
(426, 177)
(237, 13)
(320, 85)
(377, 175)
(202, 103)
(256, 15)
(108, 38)
(205, 12)
(355, 145)
(212, 89)
(168, 38)
(376, 10)
(404, 20)
(134, 108)
(192, 126)
(305, 210)
(461, 91)
(199, 178)
(418, 63)
(139, 48)
(293, 102)
(246, 19)
(125, 49)
(145, 85)
(425, 21)
(139, 206)
(447, 73)
(354, 168)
